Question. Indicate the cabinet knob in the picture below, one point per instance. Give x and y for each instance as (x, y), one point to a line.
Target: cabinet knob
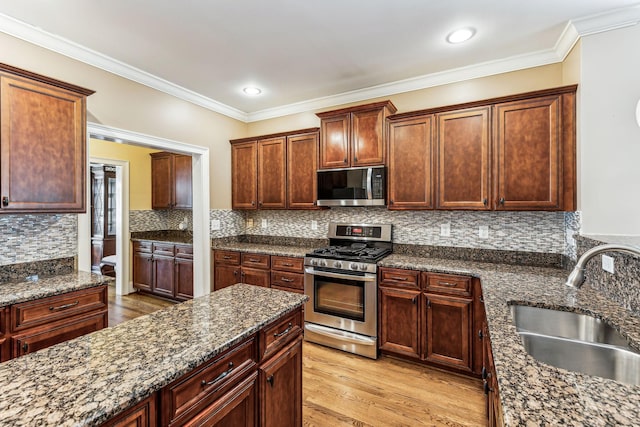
(390, 202)
(485, 201)
(501, 201)
(253, 203)
(355, 159)
(5, 201)
(414, 300)
(25, 347)
(270, 380)
(260, 203)
(346, 160)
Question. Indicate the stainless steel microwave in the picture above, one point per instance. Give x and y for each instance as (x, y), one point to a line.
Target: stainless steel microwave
(352, 187)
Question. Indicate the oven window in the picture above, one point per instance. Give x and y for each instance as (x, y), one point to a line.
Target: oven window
(338, 297)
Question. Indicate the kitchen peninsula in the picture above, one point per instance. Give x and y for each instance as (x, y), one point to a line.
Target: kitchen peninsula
(180, 358)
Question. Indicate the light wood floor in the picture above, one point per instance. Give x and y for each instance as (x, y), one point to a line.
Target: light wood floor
(341, 389)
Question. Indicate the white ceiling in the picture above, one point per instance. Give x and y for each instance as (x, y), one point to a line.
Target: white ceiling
(304, 54)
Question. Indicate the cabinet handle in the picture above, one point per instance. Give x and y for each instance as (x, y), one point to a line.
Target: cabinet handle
(285, 332)
(227, 257)
(480, 334)
(446, 283)
(270, 380)
(401, 279)
(65, 306)
(287, 264)
(253, 203)
(391, 201)
(260, 203)
(25, 347)
(284, 279)
(428, 303)
(5, 201)
(345, 160)
(501, 201)
(235, 272)
(485, 201)
(254, 260)
(219, 377)
(486, 388)
(484, 373)
(414, 300)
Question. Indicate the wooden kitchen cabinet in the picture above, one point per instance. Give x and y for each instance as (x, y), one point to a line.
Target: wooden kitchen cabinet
(171, 181)
(287, 273)
(275, 171)
(400, 315)
(411, 145)
(142, 266)
(355, 136)
(42, 143)
(302, 163)
(5, 352)
(281, 387)
(463, 168)
(144, 414)
(231, 267)
(255, 269)
(490, 383)
(184, 272)
(163, 269)
(448, 332)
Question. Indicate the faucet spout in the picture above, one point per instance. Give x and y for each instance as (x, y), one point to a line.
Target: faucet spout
(576, 278)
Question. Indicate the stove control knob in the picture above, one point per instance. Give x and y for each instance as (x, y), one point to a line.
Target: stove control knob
(313, 262)
(322, 263)
(363, 267)
(353, 266)
(337, 264)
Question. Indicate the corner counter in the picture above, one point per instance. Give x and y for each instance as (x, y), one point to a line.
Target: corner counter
(90, 379)
(531, 392)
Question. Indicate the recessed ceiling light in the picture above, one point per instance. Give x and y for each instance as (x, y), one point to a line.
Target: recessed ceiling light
(252, 90)
(461, 35)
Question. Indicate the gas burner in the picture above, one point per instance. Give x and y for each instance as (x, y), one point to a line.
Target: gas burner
(350, 243)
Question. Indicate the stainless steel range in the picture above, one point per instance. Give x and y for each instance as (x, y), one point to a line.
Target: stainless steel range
(341, 282)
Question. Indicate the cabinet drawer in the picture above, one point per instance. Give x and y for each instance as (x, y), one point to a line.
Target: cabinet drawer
(256, 261)
(186, 397)
(166, 249)
(276, 335)
(287, 280)
(142, 246)
(399, 278)
(46, 336)
(184, 251)
(294, 265)
(226, 257)
(448, 284)
(284, 288)
(33, 313)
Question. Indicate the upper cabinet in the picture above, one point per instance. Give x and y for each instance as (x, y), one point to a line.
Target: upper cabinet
(510, 153)
(171, 181)
(275, 171)
(42, 143)
(353, 137)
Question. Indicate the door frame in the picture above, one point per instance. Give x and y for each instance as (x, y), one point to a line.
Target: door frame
(200, 210)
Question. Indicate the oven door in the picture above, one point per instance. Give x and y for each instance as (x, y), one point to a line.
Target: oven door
(342, 300)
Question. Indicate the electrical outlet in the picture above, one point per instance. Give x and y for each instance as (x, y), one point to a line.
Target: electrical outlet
(314, 225)
(445, 230)
(249, 222)
(607, 264)
(215, 224)
(483, 231)
(264, 223)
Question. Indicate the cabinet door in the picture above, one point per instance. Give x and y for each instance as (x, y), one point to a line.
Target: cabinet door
(272, 174)
(448, 331)
(367, 138)
(281, 388)
(244, 173)
(4, 329)
(463, 159)
(161, 181)
(42, 154)
(256, 277)
(141, 415)
(302, 163)
(225, 275)
(335, 150)
(183, 193)
(400, 321)
(410, 163)
(184, 279)
(142, 271)
(528, 154)
(163, 276)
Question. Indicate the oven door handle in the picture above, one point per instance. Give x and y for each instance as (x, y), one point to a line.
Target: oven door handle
(342, 336)
(365, 278)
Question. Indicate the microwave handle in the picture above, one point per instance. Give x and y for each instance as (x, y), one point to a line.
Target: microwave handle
(369, 186)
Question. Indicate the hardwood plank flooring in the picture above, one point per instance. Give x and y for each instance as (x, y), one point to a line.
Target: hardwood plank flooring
(342, 389)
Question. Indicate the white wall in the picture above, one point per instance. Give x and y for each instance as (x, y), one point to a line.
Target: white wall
(609, 137)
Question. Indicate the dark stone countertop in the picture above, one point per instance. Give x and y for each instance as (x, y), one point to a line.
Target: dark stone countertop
(85, 381)
(533, 393)
(166, 236)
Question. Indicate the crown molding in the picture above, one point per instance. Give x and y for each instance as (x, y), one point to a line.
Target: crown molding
(39, 37)
(607, 21)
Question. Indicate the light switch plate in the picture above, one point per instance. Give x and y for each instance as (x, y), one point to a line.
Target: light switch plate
(215, 224)
(483, 232)
(445, 230)
(264, 223)
(314, 224)
(607, 264)
(249, 222)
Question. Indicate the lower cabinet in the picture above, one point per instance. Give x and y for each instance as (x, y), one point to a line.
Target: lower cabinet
(4, 329)
(163, 269)
(429, 318)
(490, 383)
(141, 415)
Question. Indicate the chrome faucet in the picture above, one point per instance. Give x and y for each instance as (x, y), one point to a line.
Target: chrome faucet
(576, 278)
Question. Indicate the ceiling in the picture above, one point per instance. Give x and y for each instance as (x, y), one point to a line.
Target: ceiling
(304, 54)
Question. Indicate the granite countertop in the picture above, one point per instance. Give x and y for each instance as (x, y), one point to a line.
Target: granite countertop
(15, 292)
(531, 392)
(259, 248)
(165, 236)
(88, 380)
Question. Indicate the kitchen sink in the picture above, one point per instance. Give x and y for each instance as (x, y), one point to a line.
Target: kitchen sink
(576, 342)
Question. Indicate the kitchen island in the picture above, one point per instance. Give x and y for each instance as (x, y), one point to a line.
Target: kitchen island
(91, 379)
(533, 393)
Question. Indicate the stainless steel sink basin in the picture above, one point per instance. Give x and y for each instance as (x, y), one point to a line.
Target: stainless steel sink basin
(605, 361)
(576, 342)
(565, 324)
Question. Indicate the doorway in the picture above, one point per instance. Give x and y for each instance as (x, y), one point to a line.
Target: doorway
(200, 211)
(102, 184)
